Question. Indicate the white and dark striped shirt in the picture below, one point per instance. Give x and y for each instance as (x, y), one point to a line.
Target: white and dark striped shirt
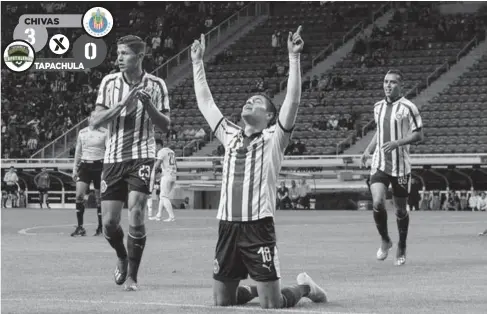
(131, 134)
(394, 121)
(250, 171)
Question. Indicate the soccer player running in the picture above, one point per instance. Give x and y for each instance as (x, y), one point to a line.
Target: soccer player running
(88, 164)
(398, 125)
(43, 182)
(11, 180)
(132, 102)
(253, 156)
(166, 160)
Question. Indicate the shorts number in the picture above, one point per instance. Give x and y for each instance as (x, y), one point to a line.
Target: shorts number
(402, 180)
(172, 159)
(266, 254)
(144, 172)
(31, 35)
(90, 51)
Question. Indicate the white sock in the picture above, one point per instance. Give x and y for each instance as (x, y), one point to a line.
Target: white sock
(168, 205)
(149, 207)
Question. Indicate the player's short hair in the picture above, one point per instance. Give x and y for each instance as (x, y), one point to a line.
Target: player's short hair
(397, 72)
(133, 42)
(160, 141)
(270, 108)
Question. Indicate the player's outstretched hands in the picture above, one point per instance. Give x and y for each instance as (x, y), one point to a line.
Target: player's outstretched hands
(294, 41)
(198, 49)
(363, 159)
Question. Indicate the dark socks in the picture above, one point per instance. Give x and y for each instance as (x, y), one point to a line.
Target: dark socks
(292, 295)
(80, 211)
(245, 294)
(98, 212)
(380, 217)
(402, 228)
(114, 236)
(135, 247)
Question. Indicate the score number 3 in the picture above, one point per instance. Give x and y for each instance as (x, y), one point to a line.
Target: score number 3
(31, 35)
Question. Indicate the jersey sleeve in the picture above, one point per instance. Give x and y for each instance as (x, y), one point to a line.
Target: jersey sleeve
(162, 96)
(280, 136)
(103, 99)
(225, 131)
(415, 121)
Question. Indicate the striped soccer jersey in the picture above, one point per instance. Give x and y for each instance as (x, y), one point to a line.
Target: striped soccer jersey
(131, 134)
(394, 121)
(250, 171)
(168, 165)
(92, 143)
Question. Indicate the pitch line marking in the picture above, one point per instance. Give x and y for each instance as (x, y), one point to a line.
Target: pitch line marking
(25, 231)
(194, 306)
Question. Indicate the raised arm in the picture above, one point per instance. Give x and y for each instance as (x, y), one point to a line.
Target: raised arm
(289, 109)
(205, 101)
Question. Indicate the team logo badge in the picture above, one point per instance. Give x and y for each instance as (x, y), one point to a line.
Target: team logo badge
(19, 56)
(216, 266)
(398, 116)
(103, 186)
(97, 22)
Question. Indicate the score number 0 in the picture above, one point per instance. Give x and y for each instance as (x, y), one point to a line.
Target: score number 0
(90, 51)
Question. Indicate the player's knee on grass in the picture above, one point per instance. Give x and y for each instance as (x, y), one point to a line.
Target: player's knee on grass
(270, 296)
(225, 293)
(378, 205)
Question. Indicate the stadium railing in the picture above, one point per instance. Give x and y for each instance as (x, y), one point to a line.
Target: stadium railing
(61, 145)
(308, 161)
(213, 37)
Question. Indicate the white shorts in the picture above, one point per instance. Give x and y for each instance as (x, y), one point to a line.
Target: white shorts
(167, 186)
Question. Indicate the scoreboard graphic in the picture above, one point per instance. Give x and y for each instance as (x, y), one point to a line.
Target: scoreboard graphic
(31, 37)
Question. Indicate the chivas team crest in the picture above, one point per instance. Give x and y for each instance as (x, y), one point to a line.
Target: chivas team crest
(98, 22)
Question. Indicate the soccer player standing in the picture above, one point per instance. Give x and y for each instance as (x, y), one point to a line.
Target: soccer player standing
(253, 156)
(11, 180)
(166, 160)
(398, 125)
(132, 102)
(43, 182)
(88, 164)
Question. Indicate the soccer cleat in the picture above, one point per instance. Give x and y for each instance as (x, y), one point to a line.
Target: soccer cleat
(120, 273)
(79, 232)
(158, 218)
(316, 293)
(98, 232)
(152, 218)
(170, 219)
(383, 251)
(483, 233)
(130, 285)
(400, 256)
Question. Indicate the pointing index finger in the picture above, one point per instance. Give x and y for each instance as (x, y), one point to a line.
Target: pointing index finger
(298, 31)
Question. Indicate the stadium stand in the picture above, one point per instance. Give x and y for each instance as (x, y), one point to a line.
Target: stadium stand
(457, 119)
(417, 41)
(260, 67)
(33, 103)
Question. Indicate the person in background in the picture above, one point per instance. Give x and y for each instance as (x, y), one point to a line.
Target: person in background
(294, 194)
(473, 201)
(43, 182)
(283, 196)
(414, 197)
(304, 191)
(11, 181)
(185, 204)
